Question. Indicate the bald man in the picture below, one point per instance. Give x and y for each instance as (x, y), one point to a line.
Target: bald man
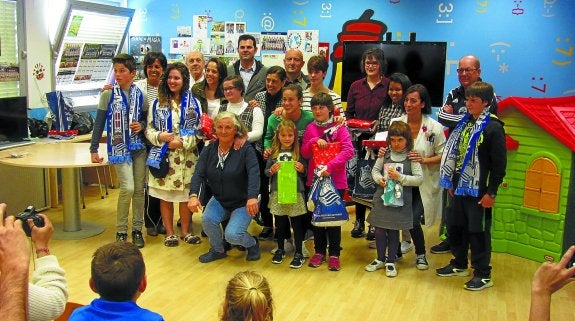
(196, 63)
(293, 64)
(468, 72)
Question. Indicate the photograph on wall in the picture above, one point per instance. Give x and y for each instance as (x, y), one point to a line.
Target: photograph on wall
(184, 31)
(323, 49)
(218, 26)
(304, 40)
(240, 27)
(180, 45)
(75, 26)
(200, 44)
(9, 72)
(231, 45)
(217, 43)
(200, 24)
(274, 42)
(141, 45)
(230, 27)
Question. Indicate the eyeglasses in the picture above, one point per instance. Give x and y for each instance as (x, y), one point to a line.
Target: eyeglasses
(229, 88)
(465, 71)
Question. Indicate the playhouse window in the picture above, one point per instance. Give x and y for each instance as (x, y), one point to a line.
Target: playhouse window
(542, 186)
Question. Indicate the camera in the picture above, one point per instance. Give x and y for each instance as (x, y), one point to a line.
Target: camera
(29, 213)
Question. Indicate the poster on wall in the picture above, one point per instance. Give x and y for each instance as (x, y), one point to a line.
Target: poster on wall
(304, 40)
(184, 31)
(217, 41)
(200, 24)
(323, 49)
(231, 45)
(274, 42)
(9, 72)
(68, 63)
(141, 45)
(94, 64)
(200, 44)
(180, 45)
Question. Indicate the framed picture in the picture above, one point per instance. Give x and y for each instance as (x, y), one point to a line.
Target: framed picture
(323, 49)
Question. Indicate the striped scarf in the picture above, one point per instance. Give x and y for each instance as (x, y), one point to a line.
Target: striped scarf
(121, 113)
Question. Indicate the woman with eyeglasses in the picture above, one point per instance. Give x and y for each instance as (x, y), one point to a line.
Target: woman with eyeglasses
(365, 99)
(233, 176)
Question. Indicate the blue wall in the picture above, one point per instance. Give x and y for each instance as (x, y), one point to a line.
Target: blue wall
(525, 47)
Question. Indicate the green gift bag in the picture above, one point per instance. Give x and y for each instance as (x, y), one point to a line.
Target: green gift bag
(287, 183)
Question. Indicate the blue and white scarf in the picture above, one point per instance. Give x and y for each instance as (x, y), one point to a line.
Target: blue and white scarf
(162, 121)
(121, 112)
(468, 183)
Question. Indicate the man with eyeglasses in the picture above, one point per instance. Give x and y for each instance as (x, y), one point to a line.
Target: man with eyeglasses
(196, 63)
(293, 64)
(468, 72)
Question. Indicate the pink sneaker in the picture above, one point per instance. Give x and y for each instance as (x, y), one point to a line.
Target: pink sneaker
(334, 264)
(316, 260)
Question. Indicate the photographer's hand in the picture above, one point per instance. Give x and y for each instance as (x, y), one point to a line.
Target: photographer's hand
(41, 235)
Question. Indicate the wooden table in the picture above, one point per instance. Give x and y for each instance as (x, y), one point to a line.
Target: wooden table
(70, 158)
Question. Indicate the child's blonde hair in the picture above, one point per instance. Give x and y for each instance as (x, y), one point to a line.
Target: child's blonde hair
(276, 144)
(248, 298)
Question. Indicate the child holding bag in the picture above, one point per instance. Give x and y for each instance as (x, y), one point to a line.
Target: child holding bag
(392, 202)
(285, 152)
(322, 131)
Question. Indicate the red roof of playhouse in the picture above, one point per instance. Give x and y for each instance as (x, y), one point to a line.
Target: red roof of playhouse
(555, 115)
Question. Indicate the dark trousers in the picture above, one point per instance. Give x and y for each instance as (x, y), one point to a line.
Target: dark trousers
(386, 239)
(360, 212)
(153, 218)
(465, 237)
(267, 217)
(417, 232)
(299, 225)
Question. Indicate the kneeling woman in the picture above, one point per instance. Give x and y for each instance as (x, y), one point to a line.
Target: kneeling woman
(233, 177)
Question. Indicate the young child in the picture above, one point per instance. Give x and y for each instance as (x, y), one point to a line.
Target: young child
(389, 218)
(321, 131)
(248, 297)
(123, 109)
(119, 277)
(285, 147)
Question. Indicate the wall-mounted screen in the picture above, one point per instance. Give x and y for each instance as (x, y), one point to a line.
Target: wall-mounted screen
(422, 62)
(13, 119)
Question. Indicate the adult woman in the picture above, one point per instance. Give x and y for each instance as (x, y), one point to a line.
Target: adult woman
(154, 65)
(252, 118)
(209, 91)
(427, 148)
(268, 101)
(248, 297)
(172, 122)
(364, 101)
(233, 177)
(317, 70)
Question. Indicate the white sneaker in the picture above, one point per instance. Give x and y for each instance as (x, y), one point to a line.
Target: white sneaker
(390, 270)
(375, 265)
(288, 247)
(304, 251)
(406, 246)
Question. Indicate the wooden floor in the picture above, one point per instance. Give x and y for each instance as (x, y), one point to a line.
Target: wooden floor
(181, 288)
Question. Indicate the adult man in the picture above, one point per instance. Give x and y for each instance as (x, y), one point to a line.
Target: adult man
(196, 63)
(14, 261)
(252, 71)
(472, 168)
(468, 72)
(293, 63)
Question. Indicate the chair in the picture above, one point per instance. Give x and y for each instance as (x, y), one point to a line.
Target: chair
(105, 185)
(70, 307)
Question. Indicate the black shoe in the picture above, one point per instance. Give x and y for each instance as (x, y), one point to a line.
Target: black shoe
(211, 256)
(227, 246)
(204, 234)
(151, 231)
(138, 239)
(297, 262)
(259, 219)
(477, 283)
(278, 256)
(450, 270)
(266, 234)
(161, 229)
(440, 248)
(254, 251)
(121, 237)
(358, 229)
(370, 236)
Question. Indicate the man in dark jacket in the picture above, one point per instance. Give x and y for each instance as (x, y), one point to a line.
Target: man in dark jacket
(252, 71)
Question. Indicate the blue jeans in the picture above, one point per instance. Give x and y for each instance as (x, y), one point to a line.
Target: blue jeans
(131, 177)
(236, 230)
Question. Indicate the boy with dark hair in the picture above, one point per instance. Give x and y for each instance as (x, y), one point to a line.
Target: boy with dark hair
(119, 277)
(472, 168)
(123, 110)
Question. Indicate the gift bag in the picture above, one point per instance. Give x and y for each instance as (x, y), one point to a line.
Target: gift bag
(287, 183)
(206, 125)
(61, 111)
(322, 156)
(329, 207)
(393, 191)
(364, 186)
